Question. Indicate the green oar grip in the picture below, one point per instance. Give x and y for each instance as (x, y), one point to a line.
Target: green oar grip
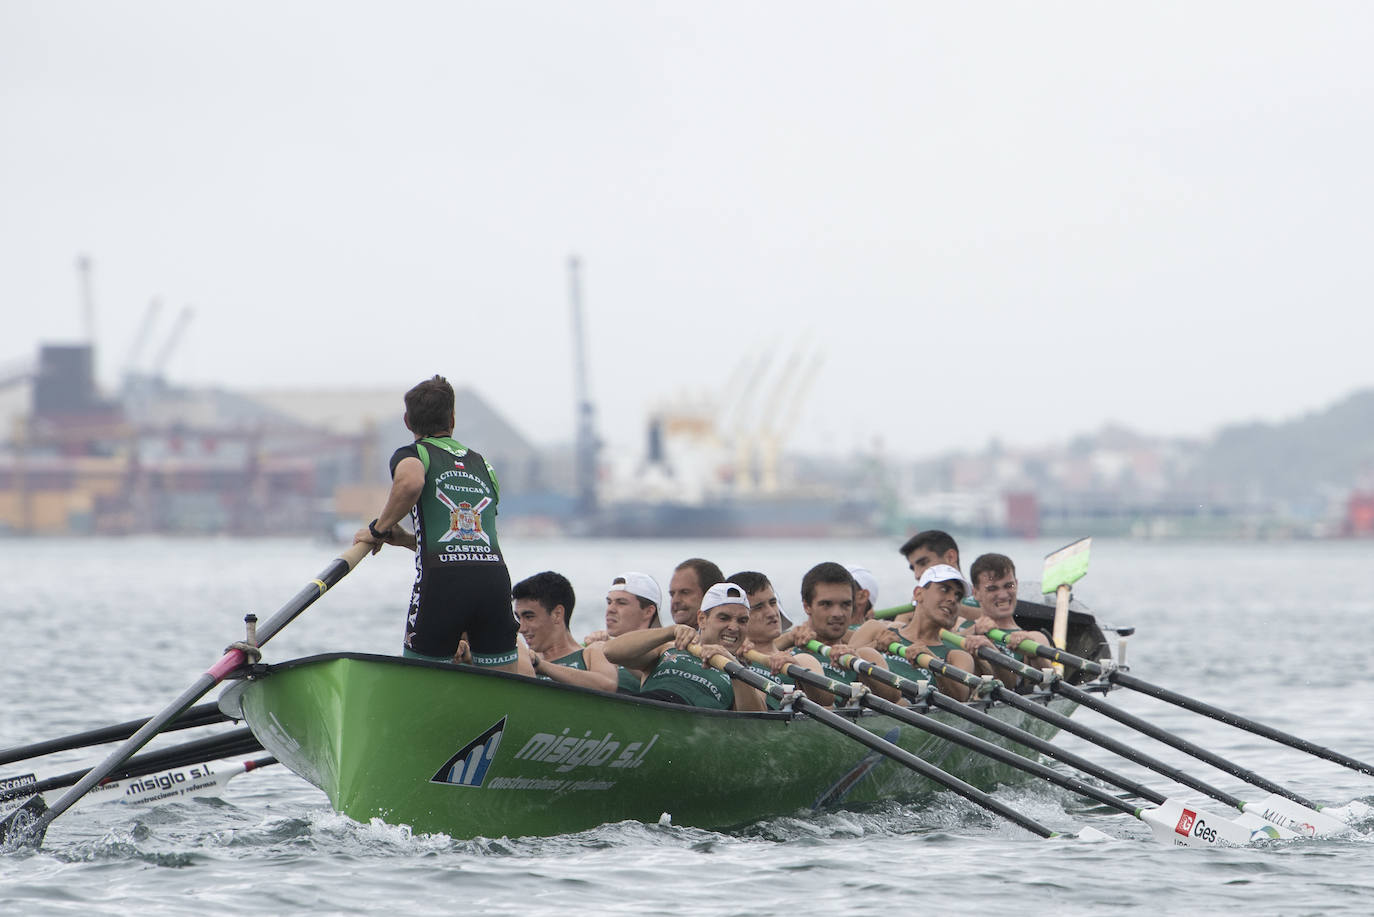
(894, 611)
(1052, 653)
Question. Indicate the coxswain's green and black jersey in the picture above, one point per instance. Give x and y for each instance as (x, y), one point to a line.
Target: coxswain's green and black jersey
(456, 511)
(682, 678)
(462, 585)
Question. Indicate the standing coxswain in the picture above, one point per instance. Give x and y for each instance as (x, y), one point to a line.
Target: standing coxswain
(450, 493)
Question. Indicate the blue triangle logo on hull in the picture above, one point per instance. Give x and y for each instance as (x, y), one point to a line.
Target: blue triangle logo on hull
(469, 766)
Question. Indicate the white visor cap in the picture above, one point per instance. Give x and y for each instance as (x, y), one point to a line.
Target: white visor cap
(640, 584)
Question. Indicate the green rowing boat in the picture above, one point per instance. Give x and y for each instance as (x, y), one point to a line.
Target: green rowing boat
(470, 752)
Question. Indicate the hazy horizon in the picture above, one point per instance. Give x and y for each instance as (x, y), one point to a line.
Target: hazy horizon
(1013, 221)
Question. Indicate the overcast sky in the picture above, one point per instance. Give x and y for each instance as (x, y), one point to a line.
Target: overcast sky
(1015, 220)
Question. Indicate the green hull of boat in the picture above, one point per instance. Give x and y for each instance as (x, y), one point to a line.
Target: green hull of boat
(471, 753)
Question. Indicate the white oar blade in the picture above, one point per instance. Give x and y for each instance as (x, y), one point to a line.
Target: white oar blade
(176, 783)
(1295, 817)
(1187, 826)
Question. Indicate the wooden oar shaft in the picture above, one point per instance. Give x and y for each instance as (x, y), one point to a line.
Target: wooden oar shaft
(882, 746)
(227, 663)
(1127, 680)
(200, 715)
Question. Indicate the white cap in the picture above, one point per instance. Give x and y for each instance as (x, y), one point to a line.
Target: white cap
(640, 584)
(941, 573)
(724, 594)
(866, 580)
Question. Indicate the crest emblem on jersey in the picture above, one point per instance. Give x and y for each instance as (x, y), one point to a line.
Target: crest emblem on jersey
(464, 519)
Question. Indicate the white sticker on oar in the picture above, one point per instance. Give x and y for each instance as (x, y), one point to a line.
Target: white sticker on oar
(176, 783)
(1189, 826)
(1295, 817)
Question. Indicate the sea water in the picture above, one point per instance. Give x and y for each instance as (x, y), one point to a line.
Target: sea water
(99, 631)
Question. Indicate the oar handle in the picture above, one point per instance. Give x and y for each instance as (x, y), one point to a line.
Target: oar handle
(894, 611)
(991, 655)
(1052, 653)
(801, 673)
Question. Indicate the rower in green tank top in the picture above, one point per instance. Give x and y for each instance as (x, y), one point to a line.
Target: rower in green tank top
(676, 674)
(765, 626)
(936, 601)
(632, 602)
(994, 585)
(543, 608)
(828, 601)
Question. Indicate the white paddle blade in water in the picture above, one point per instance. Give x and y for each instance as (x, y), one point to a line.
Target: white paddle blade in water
(1188, 826)
(1295, 817)
(207, 779)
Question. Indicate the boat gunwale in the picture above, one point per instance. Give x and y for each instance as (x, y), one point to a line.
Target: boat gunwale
(263, 670)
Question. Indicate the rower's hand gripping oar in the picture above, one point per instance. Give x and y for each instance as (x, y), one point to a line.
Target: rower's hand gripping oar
(858, 733)
(1282, 806)
(34, 825)
(1123, 678)
(1166, 822)
(1288, 815)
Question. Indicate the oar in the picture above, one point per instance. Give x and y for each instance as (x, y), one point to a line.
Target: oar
(1063, 568)
(1127, 680)
(1300, 813)
(199, 715)
(32, 832)
(859, 734)
(231, 744)
(1078, 695)
(894, 611)
(202, 779)
(1164, 822)
(1303, 820)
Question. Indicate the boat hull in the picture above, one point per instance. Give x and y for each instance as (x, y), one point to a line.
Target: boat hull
(470, 753)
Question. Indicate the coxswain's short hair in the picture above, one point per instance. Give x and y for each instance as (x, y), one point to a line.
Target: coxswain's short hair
(939, 542)
(750, 581)
(999, 565)
(708, 574)
(827, 572)
(429, 407)
(549, 589)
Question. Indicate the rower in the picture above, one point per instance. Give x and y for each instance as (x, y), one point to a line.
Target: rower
(631, 604)
(828, 601)
(925, 549)
(865, 594)
(766, 621)
(678, 676)
(543, 608)
(994, 586)
(688, 585)
(936, 599)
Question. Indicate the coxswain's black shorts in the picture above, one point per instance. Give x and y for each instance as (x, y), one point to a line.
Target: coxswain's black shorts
(474, 601)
